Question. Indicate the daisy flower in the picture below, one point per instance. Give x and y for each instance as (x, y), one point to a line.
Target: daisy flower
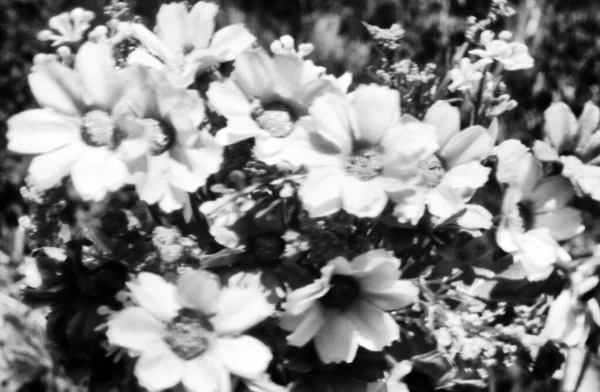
(266, 95)
(75, 131)
(69, 27)
(535, 216)
(512, 55)
(363, 154)
(466, 76)
(191, 333)
(573, 142)
(169, 156)
(347, 307)
(185, 42)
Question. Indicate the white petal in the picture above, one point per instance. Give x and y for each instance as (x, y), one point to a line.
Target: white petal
(537, 253)
(238, 129)
(509, 153)
(302, 299)
(376, 329)
(560, 125)
(97, 172)
(228, 99)
(181, 177)
(563, 224)
(158, 368)
(402, 293)
(475, 217)
(173, 199)
(330, 113)
(551, 194)
(471, 144)
(230, 41)
(56, 86)
(410, 141)
(321, 192)
(40, 130)
(443, 202)
(445, 118)
(155, 295)
(312, 321)
(134, 328)
(466, 178)
(337, 340)
(376, 269)
(202, 23)
(239, 309)
(588, 123)
(244, 356)
(206, 373)
(172, 26)
(142, 57)
(199, 290)
(365, 199)
(96, 68)
(254, 73)
(47, 170)
(373, 110)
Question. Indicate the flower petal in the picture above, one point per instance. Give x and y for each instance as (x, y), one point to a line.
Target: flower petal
(563, 224)
(537, 253)
(172, 26)
(230, 41)
(466, 178)
(97, 172)
(201, 23)
(376, 329)
(134, 328)
(551, 194)
(95, 66)
(588, 123)
(155, 295)
(238, 129)
(206, 373)
(229, 100)
(302, 299)
(199, 290)
(312, 321)
(41, 130)
(254, 73)
(244, 356)
(239, 309)
(410, 141)
(365, 199)
(373, 110)
(57, 87)
(336, 341)
(158, 368)
(475, 217)
(401, 294)
(330, 113)
(471, 144)
(321, 192)
(47, 170)
(376, 269)
(560, 125)
(445, 118)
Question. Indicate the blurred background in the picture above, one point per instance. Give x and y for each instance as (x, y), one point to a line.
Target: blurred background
(563, 37)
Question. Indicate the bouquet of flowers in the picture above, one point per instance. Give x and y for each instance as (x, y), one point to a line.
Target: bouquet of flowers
(209, 215)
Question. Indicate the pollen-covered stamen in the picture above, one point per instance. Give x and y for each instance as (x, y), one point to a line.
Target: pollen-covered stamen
(432, 169)
(98, 129)
(365, 163)
(343, 292)
(189, 334)
(275, 118)
(160, 136)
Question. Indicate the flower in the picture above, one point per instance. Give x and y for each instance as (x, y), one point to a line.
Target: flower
(512, 55)
(75, 131)
(70, 27)
(346, 307)
(363, 154)
(466, 76)
(265, 97)
(191, 333)
(169, 157)
(184, 43)
(534, 216)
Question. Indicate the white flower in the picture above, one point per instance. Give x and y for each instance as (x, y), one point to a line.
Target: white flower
(191, 333)
(361, 153)
(535, 216)
(70, 27)
(567, 321)
(466, 76)
(169, 156)
(75, 132)
(184, 43)
(265, 97)
(512, 55)
(510, 154)
(347, 307)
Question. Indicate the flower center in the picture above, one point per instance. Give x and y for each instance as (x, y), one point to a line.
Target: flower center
(98, 129)
(433, 170)
(189, 334)
(160, 136)
(268, 248)
(275, 118)
(526, 214)
(365, 163)
(343, 292)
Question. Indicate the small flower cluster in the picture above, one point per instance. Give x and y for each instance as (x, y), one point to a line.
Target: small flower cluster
(250, 222)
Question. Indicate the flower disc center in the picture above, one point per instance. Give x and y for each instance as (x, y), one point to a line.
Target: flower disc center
(433, 170)
(98, 129)
(526, 214)
(275, 118)
(160, 136)
(189, 334)
(343, 292)
(365, 163)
